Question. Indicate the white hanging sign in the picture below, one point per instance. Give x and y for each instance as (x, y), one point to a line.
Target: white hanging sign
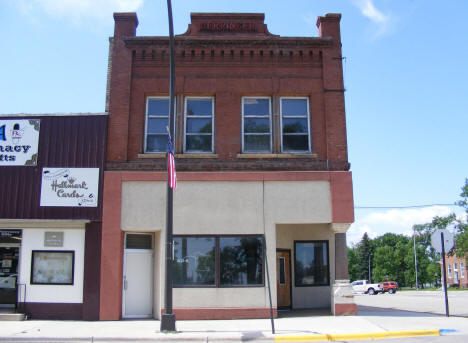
(19, 140)
(70, 187)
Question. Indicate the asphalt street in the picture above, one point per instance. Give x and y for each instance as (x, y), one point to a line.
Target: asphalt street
(418, 301)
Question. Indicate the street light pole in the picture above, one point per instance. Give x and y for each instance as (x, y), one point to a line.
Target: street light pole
(168, 318)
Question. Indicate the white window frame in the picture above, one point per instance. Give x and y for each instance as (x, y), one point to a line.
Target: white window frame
(308, 125)
(153, 116)
(449, 271)
(269, 116)
(212, 117)
(462, 271)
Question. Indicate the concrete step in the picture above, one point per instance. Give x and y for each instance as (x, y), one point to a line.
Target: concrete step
(12, 316)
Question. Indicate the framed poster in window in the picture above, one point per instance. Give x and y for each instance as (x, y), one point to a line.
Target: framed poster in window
(52, 267)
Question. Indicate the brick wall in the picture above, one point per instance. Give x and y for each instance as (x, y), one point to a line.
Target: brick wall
(228, 66)
(456, 265)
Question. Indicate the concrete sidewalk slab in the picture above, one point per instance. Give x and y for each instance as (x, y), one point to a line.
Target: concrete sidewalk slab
(371, 324)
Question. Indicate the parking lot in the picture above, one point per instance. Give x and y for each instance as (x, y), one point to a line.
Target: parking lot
(418, 301)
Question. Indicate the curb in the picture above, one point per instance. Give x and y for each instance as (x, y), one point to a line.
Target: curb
(357, 336)
(207, 338)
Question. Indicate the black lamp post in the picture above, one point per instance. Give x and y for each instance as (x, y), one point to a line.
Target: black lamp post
(168, 318)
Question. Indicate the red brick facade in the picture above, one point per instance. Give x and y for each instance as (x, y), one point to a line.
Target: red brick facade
(456, 271)
(226, 57)
(228, 66)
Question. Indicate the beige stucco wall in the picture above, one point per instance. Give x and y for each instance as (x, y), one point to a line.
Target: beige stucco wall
(224, 207)
(221, 208)
(221, 297)
(143, 206)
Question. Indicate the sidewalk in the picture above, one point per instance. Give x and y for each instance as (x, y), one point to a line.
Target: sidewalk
(303, 327)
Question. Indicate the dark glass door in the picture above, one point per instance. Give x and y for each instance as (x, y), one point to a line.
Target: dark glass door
(10, 241)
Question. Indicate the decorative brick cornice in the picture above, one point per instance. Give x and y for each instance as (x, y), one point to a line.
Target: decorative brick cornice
(213, 164)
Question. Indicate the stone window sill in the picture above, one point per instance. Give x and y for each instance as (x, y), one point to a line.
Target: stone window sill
(196, 156)
(162, 155)
(312, 155)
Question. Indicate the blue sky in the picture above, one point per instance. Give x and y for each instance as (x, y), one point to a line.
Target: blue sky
(405, 73)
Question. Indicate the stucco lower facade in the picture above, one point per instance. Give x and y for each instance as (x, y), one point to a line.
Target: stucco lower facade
(282, 210)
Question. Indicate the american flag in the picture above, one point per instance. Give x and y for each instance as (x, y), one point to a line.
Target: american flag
(172, 178)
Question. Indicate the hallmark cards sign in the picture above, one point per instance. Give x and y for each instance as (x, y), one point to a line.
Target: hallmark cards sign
(70, 187)
(19, 142)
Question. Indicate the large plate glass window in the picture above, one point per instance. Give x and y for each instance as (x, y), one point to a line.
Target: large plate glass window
(311, 263)
(194, 261)
(157, 119)
(295, 126)
(199, 115)
(218, 261)
(256, 124)
(241, 261)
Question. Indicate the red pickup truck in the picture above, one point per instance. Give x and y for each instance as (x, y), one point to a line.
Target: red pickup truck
(389, 286)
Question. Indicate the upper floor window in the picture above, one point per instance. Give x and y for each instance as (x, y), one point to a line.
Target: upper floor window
(199, 117)
(256, 124)
(157, 120)
(295, 124)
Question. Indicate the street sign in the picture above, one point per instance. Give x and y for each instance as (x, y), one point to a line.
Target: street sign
(436, 241)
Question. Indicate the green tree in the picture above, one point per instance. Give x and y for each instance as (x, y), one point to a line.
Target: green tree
(433, 272)
(461, 240)
(353, 269)
(364, 251)
(423, 262)
(385, 263)
(389, 257)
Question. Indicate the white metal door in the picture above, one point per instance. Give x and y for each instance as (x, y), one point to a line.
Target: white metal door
(137, 284)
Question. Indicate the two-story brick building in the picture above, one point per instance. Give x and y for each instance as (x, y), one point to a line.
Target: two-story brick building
(262, 168)
(456, 271)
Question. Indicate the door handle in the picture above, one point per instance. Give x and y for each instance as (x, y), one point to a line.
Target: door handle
(125, 284)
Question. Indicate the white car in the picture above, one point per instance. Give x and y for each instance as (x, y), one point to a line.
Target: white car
(364, 286)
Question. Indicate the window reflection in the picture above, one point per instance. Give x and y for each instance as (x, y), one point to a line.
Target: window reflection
(194, 261)
(311, 263)
(241, 260)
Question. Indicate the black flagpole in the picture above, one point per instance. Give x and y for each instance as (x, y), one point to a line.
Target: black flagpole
(168, 318)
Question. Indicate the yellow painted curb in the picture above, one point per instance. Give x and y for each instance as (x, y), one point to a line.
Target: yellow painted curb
(356, 336)
(302, 338)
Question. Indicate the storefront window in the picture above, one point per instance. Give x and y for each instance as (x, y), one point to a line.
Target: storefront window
(218, 261)
(240, 261)
(194, 261)
(311, 263)
(52, 267)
